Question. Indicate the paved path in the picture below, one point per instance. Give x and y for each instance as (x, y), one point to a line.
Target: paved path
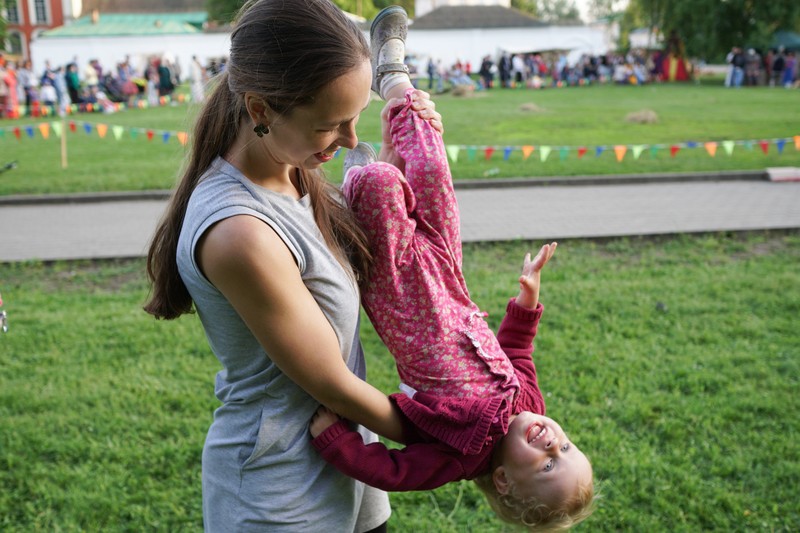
(122, 228)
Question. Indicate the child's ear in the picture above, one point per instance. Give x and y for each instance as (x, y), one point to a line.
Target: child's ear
(500, 480)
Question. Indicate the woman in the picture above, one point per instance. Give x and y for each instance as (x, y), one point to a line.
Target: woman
(263, 246)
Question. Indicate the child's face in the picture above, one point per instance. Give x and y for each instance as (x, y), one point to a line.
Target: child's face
(539, 460)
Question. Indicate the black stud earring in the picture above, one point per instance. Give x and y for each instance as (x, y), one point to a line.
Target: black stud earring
(261, 130)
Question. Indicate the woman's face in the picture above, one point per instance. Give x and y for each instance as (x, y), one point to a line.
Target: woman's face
(309, 136)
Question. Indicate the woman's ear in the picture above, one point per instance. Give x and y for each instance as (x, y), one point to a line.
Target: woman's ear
(257, 108)
(500, 480)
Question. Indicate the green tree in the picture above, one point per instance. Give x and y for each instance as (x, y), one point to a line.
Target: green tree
(557, 10)
(709, 28)
(224, 11)
(3, 25)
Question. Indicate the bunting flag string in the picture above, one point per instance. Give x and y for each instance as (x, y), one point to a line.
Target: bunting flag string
(44, 130)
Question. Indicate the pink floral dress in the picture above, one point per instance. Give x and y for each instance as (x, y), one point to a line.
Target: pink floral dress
(417, 298)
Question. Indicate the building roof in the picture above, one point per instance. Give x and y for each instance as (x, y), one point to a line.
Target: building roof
(142, 6)
(461, 17)
(116, 24)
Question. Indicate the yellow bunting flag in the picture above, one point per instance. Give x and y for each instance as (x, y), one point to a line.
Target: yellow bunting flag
(544, 152)
(102, 129)
(452, 151)
(57, 128)
(620, 150)
(711, 148)
(527, 150)
(44, 128)
(728, 146)
(117, 131)
(637, 150)
(182, 137)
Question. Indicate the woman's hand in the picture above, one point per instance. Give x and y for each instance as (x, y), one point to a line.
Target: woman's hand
(322, 420)
(420, 102)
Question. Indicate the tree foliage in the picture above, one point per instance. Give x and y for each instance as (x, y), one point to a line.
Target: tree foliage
(223, 11)
(709, 28)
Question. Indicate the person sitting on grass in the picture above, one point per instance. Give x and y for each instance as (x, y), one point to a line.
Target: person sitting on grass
(472, 407)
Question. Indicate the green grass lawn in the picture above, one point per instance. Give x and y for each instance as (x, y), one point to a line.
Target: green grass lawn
(672, 362)
(562, 119)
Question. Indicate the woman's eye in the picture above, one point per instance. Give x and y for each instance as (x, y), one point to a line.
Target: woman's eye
(549, 466)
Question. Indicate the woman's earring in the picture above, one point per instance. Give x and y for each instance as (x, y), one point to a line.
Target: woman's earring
(261, 130)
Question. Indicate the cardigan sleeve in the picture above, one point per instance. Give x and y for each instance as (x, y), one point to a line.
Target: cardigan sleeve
(515, 335)
(416, 467)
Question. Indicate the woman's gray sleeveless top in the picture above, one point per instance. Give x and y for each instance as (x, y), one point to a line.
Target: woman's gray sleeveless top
(259, 470)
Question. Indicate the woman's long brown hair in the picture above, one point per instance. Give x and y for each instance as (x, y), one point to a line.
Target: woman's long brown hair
(287, 51)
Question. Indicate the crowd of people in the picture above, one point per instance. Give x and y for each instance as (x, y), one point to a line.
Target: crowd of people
(776, 68)
(540, 70)
(25, 92)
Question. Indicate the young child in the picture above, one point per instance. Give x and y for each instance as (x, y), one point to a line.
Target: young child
(472, 407)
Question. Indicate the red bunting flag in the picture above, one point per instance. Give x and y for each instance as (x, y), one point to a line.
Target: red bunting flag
(674, 149)
(764, 146)
(488, 153)
(72, 126)
(150, 134)
(581, 151)
(17, 133)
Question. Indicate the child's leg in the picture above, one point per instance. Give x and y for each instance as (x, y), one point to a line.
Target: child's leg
(427, 171)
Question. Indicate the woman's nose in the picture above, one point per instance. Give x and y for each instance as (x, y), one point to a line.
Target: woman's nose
(348, 137)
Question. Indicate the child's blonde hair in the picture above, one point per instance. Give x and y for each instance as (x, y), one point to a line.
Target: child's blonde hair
(534, 514)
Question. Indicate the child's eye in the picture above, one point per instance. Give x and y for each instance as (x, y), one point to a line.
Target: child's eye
(549, 466)
(565, 447)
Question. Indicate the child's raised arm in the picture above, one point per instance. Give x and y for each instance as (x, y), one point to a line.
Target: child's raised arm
(531, 277)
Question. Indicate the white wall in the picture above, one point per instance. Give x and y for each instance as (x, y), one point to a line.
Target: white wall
(473, 44)
(112, 50)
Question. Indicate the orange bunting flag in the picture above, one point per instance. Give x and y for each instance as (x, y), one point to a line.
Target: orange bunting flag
(711, 148)
(581, 151)
(150, 134)
(182, 137)
(764, 146)
(488, 153)
(797, 142)
(673, 150)
(44, 128)
(620, 150)
(102, 129)
(527, 150)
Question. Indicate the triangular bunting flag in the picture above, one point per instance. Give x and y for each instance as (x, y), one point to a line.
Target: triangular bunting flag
(507, 153)
(764, 146)
(44, 129)
(581, 151)
(563, 153)
(527, 150)
(102, 129)
(620, 150)
(488, 152)
(711, 148)
(674, 149)
(797, 142)
(17, 133)
(165, 137)
(72, 126)
(58, 129)
(29, 131)
(182, 137)
(691, 144)
(471, 152)
(637, 150)
(117, 131)
(544, 153)
(134, 133)
(150, 134)
(653, 151)
(599, 151)
(728, 146)
(452, 152)
(87, 127)
(780, 143)
(748, 145)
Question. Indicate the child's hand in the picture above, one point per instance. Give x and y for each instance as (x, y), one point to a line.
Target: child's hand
(322, 420)
(530, 280)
